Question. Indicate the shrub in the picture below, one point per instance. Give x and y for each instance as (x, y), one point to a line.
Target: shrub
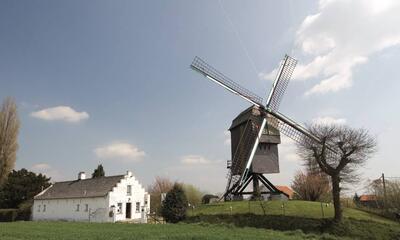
(8, 215)
(175, 205)
(23, 213)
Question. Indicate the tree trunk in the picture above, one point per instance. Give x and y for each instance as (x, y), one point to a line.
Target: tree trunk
(336, 197)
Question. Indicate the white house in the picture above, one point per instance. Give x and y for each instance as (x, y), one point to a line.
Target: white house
(103, 199)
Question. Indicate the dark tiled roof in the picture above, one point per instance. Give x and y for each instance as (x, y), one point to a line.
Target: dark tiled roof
(92, 187)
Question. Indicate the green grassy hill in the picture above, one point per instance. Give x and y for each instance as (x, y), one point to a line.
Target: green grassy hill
(288, 208)
(309, 217)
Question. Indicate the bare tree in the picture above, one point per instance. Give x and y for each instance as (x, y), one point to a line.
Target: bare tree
(351, 148)
(193, 194)
(390, 196)
(311, 186)
(159, 186)
(9, 128)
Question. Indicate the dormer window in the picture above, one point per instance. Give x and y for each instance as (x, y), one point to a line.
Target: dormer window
(129, 190)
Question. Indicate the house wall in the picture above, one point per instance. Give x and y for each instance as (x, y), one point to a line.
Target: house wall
(98, 208)
(66, 209)
(138, 195)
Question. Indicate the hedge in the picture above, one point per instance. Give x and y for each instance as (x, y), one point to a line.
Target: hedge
(11, 215)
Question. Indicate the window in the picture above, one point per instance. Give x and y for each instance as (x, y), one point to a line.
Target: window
(129, 190)
(38, 209)
(44, 208)
(119, 209)
(262, 146)
(77, 207)
(137, 207)
(86, 207)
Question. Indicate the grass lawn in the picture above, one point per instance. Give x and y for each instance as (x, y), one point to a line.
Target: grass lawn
(289, 208)
(82, 231)
(246, 220)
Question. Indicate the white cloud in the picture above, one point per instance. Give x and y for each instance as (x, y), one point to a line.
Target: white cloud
(120, 150)
(268, 76)
(329, 120)
(194, 160)
(47, 170)
(227, 140)
(341, 36)
(205, 173)
(60, 113)
(287, 150)
(41, 166)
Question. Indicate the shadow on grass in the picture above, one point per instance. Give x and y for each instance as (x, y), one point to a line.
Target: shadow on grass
(349, 227)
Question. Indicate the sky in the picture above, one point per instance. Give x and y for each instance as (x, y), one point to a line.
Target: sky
(109, 82)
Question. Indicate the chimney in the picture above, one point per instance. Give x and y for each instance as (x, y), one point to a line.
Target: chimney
(81, 176)
(128, 173)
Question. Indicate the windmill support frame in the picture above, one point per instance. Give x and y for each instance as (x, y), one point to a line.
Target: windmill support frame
(258, 180)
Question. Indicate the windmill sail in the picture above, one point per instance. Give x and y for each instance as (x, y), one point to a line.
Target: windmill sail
(294, 130)
(214, 75)
(242, 153)
(281, 82)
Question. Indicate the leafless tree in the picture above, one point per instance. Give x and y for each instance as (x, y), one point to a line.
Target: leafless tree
(311, 186)
(389, 196)
(351, 148)
(193, 194)
(9, 128)
(159, 186)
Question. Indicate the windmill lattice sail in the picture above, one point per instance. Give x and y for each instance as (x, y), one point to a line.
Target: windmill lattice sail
(281, 82)
(213, 74)
(296, 132)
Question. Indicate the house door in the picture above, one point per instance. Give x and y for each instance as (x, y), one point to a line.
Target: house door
(128, 211)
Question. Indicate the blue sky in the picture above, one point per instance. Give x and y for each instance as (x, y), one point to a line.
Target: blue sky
(109, 81)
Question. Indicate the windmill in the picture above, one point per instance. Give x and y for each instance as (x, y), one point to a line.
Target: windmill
(262, 124)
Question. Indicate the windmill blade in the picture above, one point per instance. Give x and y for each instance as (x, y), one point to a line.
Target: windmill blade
(293, 130)
(281, 82)
(214, 75)
(242, 153)
(253, 151)
(289, 127)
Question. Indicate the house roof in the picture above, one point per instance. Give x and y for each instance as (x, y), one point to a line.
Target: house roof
(366, 198)
(286, 189)
(92, 187)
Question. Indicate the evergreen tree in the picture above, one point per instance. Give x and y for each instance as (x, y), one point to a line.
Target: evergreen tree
(175, 205)
(98, 172)
(21, 186)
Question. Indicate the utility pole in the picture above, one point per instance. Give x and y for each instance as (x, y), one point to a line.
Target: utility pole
(384, 190)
